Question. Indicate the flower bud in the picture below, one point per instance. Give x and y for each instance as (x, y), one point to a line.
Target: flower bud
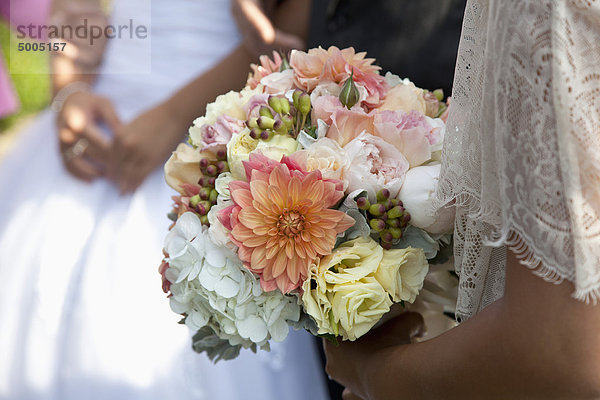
(394, 222)
(252, 123)
(377, 209)
(284, 64)
(204, 220)
(275, 104)
(439, 94)
(204, 193)
(285, 106)
(211, 181)
(204, 207)
(295, 96)
(265, 123)
(266, 135)
(405, 219)
(211, 170)
(396, 232)
(383, 195)
(222, 166)
(203, 181)
(395, 212)
(386, 236)
(255, 133)
(349, 95)
(265, 112)
(194, 200)
(203, 163)
(386, 245)
(213, 197)
(304, 104)
(278, 126)
(222, 155)
(388, 204)
(363, 203)
(288, 121)
(377, 225)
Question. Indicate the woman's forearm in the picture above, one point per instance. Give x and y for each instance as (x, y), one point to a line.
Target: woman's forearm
(190, 102)
(80, 59)
(535, 343)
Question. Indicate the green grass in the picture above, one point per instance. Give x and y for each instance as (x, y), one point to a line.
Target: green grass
(33, 89)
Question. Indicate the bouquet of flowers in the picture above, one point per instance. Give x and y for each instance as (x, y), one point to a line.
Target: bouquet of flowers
(305, 201)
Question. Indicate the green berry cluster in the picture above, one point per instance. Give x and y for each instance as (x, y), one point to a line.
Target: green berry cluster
(387, 217)
(281, 117)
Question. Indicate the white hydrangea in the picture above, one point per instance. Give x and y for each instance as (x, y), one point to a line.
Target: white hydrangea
(210, 285)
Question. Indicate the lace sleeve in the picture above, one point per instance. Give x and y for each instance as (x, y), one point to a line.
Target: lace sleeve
(522, 158)
(576, 77)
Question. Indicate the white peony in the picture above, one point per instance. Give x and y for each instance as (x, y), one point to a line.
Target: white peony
(417, 195)
(374, 165)
(211, 287)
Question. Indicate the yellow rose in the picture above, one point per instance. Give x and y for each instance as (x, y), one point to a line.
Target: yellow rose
(183, 166)
(345, 298)
(241, 145)
(358, 306)
(231, 103)
(405, 97)
(402, 272)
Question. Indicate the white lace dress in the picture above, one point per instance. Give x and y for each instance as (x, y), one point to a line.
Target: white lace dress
(82, 313)
(522, 155)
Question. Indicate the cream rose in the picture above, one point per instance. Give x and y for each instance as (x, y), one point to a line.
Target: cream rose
(326, 156)
(241, 145)
(345, 298)
(402, 272)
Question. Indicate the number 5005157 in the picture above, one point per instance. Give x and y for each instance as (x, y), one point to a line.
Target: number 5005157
(41, 46)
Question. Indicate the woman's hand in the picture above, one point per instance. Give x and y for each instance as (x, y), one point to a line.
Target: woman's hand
(259, 33)
(142, 145)
(84, 147)
(349, 363)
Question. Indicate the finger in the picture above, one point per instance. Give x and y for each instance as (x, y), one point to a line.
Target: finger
(82, 169)
(99, 145)
(256, 17)
(348, 395)
(106, 112)
(127, 176)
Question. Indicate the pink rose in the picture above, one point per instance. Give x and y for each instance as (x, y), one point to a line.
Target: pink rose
(253, 105)
(409, 132)
(324, 107)
(348, 124)
(374, 165)
(216, 136)
(320, 66)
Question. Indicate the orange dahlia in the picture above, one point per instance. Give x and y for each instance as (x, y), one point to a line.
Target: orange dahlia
(281, 220)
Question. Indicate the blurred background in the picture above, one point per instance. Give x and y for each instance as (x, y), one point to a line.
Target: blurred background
(33, 90)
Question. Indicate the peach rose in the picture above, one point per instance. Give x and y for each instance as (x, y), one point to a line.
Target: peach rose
(405, 97)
